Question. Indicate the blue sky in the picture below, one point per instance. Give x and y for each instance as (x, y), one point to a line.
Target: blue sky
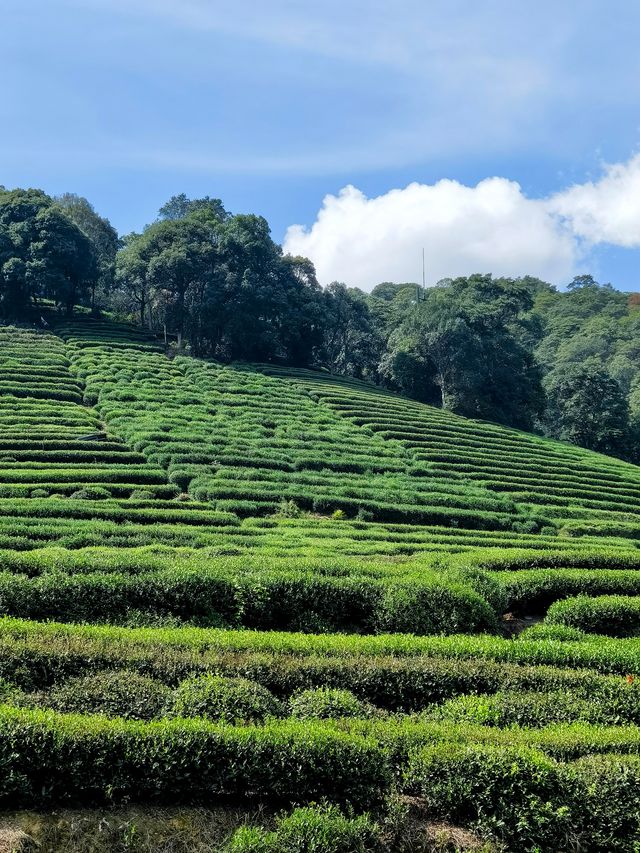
(277, 107)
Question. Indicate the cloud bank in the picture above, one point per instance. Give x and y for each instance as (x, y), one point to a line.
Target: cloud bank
(490, 227)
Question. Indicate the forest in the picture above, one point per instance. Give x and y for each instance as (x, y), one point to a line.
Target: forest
(519, 352)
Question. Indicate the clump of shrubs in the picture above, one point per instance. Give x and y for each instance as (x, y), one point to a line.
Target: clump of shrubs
(11, 695)
(225, 699)
(606, 802)
(141, 495)
(364, 515)
(326, 703)
(434, 608)
(316, 829)
(613, 615)
(529, 526)
(288, 509)
(90, 494)
(117, 693)
(514, 793)
(523, 709)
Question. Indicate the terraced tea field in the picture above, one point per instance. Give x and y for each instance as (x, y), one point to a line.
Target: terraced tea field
(253, 589)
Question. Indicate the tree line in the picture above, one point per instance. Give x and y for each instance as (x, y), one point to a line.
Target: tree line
(515, 351)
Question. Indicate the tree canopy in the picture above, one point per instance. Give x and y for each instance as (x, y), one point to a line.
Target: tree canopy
(43, 253)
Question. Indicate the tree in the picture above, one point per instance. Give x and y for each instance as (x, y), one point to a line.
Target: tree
(102, 235)
(63, 259)
(131, 277)
(352, 345)
(301, 322)
(42, 253)
(464, 338)
(221, 281)
(269, 305)
(634, 421)
(161, 268)
(588, 408)
(388, 291)
(179, 207)
(18, 233)
(404, 367)
(585, 280)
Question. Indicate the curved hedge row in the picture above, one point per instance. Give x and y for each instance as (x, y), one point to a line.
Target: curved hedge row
(51, 758)
(529, 801)
(395, 673)
(264, 600)
(535, 590)
(613, 615)
(599, 654)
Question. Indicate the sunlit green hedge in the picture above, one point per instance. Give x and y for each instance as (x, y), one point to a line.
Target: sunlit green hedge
(49, 758)
(614, 615)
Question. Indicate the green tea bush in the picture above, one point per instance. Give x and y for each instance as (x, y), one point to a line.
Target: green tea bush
(220, 593)
(491, 588)
(11, 694)
(288, 509)
(515, 793)
(315, 829)
(546, 631)
(119, 693)
(92, 494)
(613, 615)
(396, 676)
(324, 703)
(230, 700)
(536, 589)
(541, 709)
(476, 658)
(141, 495)
(606, 802)
(434, 609)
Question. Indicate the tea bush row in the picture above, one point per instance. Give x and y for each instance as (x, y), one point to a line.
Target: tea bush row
(614, 615)
(527, 800)
(515, 793)
(265, 601)
(82, 760)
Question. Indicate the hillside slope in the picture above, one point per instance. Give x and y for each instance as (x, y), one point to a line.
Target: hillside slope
(157, 507)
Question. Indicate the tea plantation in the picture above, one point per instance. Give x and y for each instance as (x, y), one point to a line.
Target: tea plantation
(287, 611)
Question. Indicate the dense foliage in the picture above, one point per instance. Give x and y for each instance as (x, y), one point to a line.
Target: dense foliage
(43, 253)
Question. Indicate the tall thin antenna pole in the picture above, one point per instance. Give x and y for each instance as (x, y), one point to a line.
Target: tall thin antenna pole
(420, 293)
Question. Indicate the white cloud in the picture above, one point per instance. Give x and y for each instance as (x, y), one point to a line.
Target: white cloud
(491, 227)
(605, 211)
